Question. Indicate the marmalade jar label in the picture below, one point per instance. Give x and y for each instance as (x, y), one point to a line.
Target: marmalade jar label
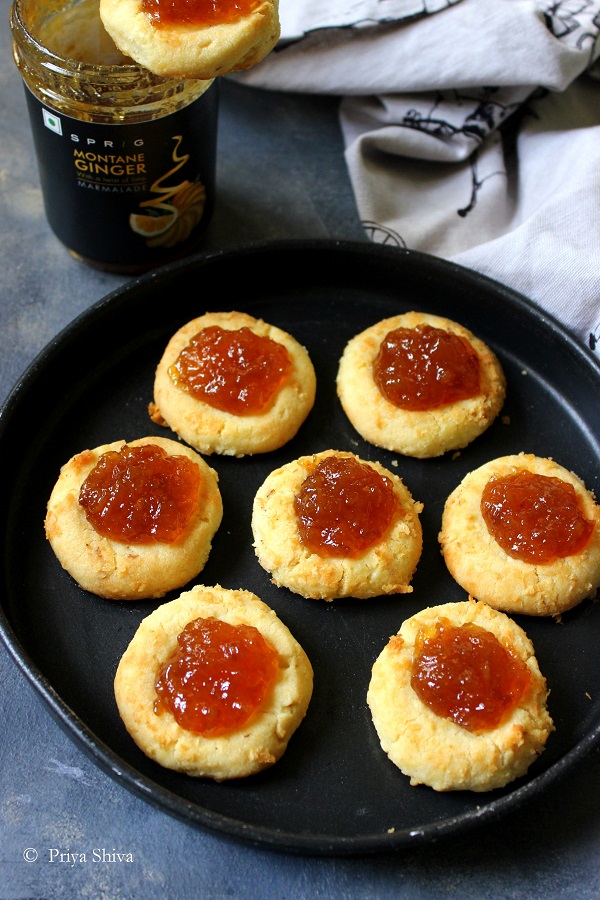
(131, 194)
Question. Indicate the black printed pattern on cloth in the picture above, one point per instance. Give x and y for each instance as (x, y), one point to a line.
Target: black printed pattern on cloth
(486, 109)
(574, 22)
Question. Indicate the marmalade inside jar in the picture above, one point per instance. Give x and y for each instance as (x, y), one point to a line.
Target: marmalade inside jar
(464, 673)
(535, 518)
(197, 12)
(140, 495)
(426, 368)
(238, 372)
(344, 507)
(217, 678)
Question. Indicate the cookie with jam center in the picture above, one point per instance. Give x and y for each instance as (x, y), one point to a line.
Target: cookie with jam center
(235, 753)
(434, 749)
(210, 429)
(418, 432)
(192, 45)
(130, 569)
(385, 566)
(484, 568)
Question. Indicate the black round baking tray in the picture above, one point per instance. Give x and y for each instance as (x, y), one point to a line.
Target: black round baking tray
(334, 791)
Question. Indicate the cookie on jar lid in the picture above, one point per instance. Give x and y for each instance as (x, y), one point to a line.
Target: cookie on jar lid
(232, 384)
(131, 521)
(332, 525)
(522, 533)
(236, 714)
(420, 385)
(450, 732)
(201, 40)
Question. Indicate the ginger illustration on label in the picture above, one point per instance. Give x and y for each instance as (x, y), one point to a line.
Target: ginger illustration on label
(175, 212)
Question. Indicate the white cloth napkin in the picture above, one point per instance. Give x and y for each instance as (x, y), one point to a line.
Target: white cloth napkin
(472, 132)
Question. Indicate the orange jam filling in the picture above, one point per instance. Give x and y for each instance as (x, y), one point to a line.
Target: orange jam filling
(465, 674)
(238, 372)
(344, 507)
(197, 12)
(535, 518)
(141, 495)
(426, 368)
(217, 678)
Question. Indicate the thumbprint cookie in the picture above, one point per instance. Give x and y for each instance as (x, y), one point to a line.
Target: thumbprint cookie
(419, 385)
(131, 521)
(231, 384)
(201, 39)
(522, 533)
(458, 700)
(213, 684)
(331, 525)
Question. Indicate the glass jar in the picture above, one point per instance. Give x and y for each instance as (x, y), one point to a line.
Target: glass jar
(126, 159)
